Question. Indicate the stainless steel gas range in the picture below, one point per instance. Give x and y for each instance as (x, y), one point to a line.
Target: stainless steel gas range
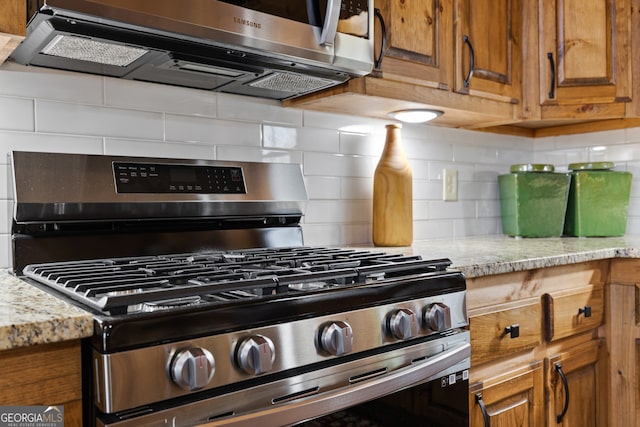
(210, 310)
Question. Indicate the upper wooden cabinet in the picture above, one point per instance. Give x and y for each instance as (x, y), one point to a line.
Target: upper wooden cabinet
(489, 48)
(418, 41)
(584, 52)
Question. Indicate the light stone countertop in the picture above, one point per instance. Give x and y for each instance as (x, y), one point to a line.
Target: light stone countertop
(30, 316)
(488, 255)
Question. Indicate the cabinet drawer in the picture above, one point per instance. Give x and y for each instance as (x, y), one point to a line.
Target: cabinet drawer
(504, 329)
(573, 311)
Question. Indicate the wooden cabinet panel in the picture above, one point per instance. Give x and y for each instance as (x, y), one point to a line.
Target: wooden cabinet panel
(513, 399)
(488, 41)
(491, 337)
(584, 51)
(418, 41)
(585, 372)
(48, 374)
(573, 311)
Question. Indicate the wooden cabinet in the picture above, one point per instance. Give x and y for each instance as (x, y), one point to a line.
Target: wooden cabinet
(43, 375)
(488, 48)
(575, 380)
(513, 379)
(511, 399)
(584, 56)
(13, 26)
(418, 41)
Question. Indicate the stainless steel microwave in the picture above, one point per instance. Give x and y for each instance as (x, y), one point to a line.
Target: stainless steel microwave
(268, 48)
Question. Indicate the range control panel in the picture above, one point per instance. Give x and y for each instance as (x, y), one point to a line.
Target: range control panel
(170, 178)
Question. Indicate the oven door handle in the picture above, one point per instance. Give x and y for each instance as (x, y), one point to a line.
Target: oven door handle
(334, 400)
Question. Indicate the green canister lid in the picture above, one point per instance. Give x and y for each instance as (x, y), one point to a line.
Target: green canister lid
(532, 167)
(591, 166)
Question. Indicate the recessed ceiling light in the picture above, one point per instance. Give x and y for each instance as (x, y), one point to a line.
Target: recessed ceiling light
(416, 115)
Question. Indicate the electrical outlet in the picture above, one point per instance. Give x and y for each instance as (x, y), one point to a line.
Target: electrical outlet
(449, 185)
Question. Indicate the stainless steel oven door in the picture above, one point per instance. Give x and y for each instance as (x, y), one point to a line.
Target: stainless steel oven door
(304, 397)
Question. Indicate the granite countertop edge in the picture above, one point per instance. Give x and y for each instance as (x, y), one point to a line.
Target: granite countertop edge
(31, 316)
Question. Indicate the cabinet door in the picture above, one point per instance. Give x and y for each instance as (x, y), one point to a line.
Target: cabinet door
(512, 399)
(418, 41)
(584, 51)
(488, 48)
(581, 372)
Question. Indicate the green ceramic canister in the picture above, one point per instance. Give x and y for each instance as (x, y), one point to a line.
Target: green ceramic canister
(598, 200)
(533, 200)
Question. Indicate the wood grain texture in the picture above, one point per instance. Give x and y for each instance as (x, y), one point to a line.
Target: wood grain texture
(489, 341)
(585, 369)
(512, 398)
(562, 316)
(393, 193)
(13, 17)
(48, 374)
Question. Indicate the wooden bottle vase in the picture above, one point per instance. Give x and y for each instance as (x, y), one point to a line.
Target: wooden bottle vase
(393, 194)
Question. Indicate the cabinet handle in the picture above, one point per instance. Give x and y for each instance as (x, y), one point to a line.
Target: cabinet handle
(483, 408)
(383, 35)
(513, 331)
(552, 66)
(565, 384)
(472, 60)
(586, 311)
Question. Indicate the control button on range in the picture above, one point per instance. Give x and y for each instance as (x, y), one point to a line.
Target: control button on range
(336, 338)
(437, 317)
(255, 354)
(403, 324)
(192, 368)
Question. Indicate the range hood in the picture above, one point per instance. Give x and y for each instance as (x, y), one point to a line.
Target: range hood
(216, 45)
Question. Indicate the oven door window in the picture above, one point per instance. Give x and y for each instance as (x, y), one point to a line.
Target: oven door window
(353, 13)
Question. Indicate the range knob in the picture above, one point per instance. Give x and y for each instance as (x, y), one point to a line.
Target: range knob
(255, 354)
(192, 368)
(336, 338)
(403, 324)
(437, 317)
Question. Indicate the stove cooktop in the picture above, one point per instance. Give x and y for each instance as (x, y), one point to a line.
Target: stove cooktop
(199, 293)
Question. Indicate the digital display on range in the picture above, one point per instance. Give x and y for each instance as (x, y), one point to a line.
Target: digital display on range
(167, 178)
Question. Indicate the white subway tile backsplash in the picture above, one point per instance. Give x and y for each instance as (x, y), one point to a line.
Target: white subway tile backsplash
(452, 210)
(235, 107)
(303, 139)
(47, 110)
(338, 165)
(125, 147)
(356, 188)
(211, 131)
(29, 141)
(323, 234)
(78, 119)
(44, 83)
(137, 95)
(248, 154)
(369, 144)
(324, 187)
(342, 211)
(16, 114)
(433, 229)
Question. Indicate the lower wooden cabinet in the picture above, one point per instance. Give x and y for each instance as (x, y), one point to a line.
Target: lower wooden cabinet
(539, 359)
(576, 386)
(510, 399)
(44, 375)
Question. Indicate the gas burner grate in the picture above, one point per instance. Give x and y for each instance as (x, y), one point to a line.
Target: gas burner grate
(152, 283)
